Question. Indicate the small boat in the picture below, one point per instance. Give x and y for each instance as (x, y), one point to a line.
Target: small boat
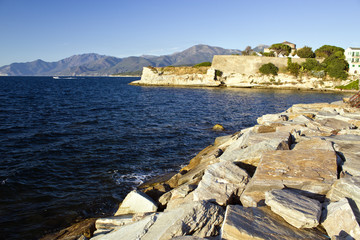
(56, 77)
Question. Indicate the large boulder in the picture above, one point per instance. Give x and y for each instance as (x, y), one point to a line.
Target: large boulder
(348, 187)
(312, 170)
(297, 210)
(251, 146)
(136, 202)
(348, 147)
(132, 231)
(261, 223)
(220, 182)
(339, 219)
(200, 219)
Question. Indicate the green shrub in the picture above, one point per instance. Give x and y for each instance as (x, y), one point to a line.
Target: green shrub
(336, 66)
(305, 52)
(318, 74)
(268, 54)
(218, 73)
(312, 65)
(351, 86)
(293, 68)
(269, 68)
(203, 64)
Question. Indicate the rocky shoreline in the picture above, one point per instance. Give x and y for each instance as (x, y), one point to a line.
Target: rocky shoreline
(295, 175)
(212, 78)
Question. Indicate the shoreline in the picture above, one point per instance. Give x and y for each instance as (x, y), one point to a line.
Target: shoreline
(136, 83)
(304, 130)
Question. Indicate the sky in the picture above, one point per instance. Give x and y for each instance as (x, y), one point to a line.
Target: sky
(55, 29)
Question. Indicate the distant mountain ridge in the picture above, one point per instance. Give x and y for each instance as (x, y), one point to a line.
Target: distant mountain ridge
(93, 64)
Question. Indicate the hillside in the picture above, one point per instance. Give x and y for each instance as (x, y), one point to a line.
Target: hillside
(94, 64)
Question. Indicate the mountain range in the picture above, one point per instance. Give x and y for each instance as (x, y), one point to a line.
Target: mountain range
(93, 64)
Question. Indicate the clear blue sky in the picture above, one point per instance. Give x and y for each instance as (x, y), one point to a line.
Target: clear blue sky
(54, 29)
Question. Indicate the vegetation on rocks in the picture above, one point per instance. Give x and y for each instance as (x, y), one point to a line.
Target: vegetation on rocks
(268, 69)
(293, 68)
(203, 64)
(351, 86)
(180, 70)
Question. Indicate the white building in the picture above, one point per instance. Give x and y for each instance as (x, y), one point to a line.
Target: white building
(352, 56)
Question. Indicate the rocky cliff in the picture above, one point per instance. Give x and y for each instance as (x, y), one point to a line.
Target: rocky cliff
(189, 77)
(295, 175)
(239, 71)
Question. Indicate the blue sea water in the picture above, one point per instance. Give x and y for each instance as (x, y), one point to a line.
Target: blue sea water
(72, 148)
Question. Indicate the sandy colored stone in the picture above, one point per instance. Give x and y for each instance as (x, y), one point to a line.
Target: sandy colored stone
(310, 170)
(297, 210)
(178, 192)
(132, 231)
(271, 118)
(314, 143)
(200, 219)
(251, 146)
(84, 228)
(338, 217)
(220, 182)
(348, 187)
(264, 129)
(218, 127)
(348, 147)
(136, 202)
(261, 223)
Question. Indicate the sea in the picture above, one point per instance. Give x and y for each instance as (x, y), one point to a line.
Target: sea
(73, 147)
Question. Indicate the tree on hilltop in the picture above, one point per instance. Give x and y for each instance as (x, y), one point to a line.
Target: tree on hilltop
(281, 48)
(247, 51)
(328, 50)
(306, 52)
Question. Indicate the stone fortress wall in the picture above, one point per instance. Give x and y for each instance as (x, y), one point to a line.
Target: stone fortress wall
(248, 64)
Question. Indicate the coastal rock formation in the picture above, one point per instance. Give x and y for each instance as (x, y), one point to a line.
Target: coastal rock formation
(151, 76)
(220, 182)
(250, 147)
(339, 219)
(136, 202)
(297, 210)
(313, 171)
(347, 187)
(201, 219)
(261, 223)
(295, 162)
(348, 148)
(237, 71)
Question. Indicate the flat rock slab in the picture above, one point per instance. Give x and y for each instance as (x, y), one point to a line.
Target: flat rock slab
(261, 223)
(251, 146)
(132, 231)
(348, 147)
(297, 210)
(221, 181)
(339, 219)
(136, 202)
(200, 219)
(348, 187)
(314, 143)
(310, 170)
